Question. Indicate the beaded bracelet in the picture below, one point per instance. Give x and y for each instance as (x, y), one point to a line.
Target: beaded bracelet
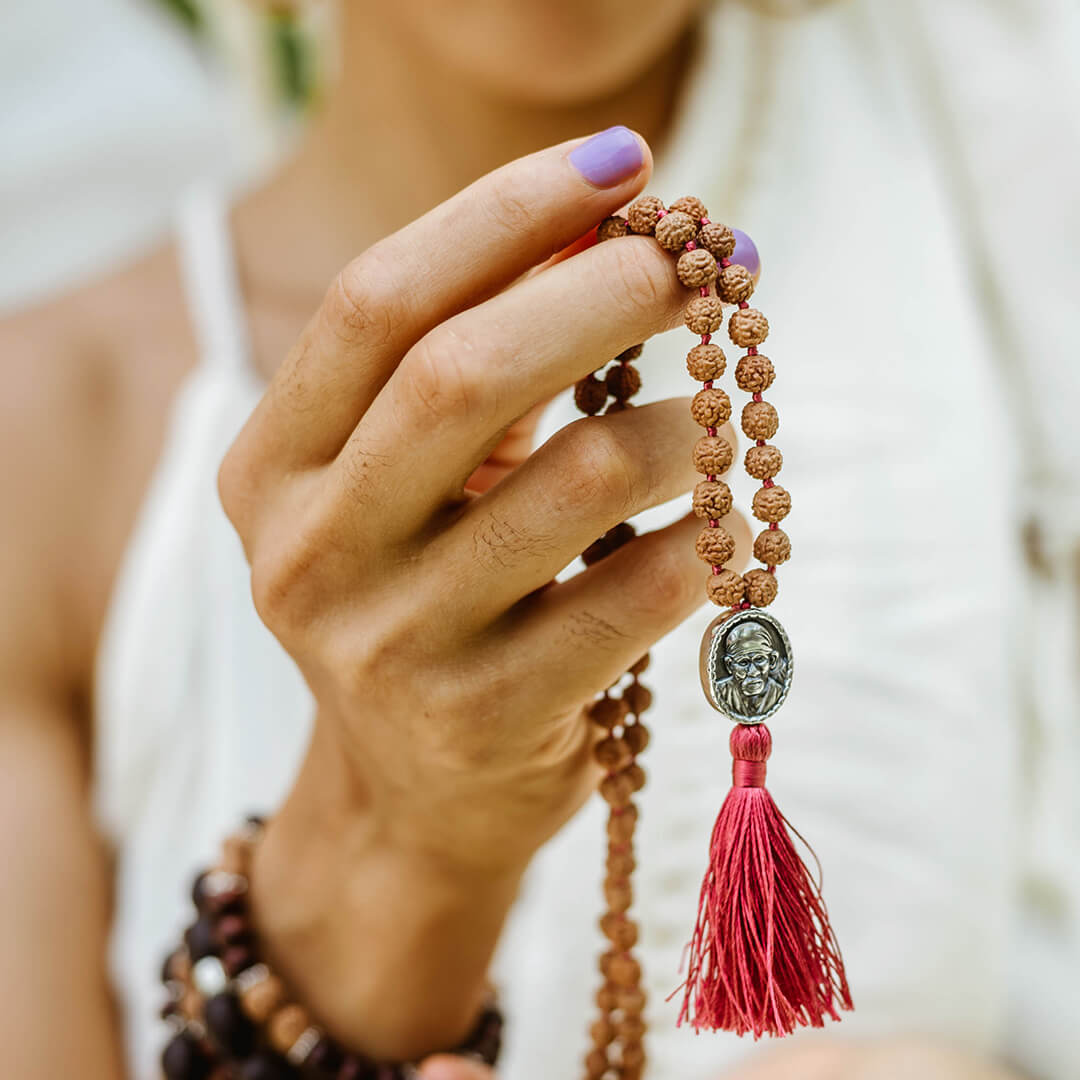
(231, 1015)
(763, 958)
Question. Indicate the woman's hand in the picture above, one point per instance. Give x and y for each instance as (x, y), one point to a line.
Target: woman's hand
(407, 565)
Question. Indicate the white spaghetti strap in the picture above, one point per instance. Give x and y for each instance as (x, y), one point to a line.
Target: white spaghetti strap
(208, 270)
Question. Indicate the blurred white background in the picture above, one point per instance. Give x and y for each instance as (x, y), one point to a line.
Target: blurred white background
(109, 111)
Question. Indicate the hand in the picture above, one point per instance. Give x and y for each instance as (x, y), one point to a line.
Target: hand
(403, 547)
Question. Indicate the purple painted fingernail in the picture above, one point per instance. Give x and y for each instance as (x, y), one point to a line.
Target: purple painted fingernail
(746, 253)
(608, 158)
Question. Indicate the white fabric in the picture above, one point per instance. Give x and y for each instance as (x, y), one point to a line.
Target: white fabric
(903, 753)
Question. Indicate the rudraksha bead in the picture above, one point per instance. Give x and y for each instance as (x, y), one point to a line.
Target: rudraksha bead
(642, 215)
(622, 381)
(717, 239)
(763, 462)
(759, 420)
(590, 395)
(710, 408)
(637, 697)
(735, 284)
(601, 1032)
(611, 228)
(754, 373)
(674, 229)
(772, 547)
(692, 206)
(630, 354)
(612, 753)
(618, 898)
(760, 587)
(596, 1064)
(620, 827)
(636, 775)
(747, 327)
(715, 545)
(771, 503)
(636, 737)
(619, 930)
(608, 712)
(616, 789)
(696, 268)
(725, 589)
(625, 970)
(703, 315)
(712, 455)
(706, 362)
(712, 500)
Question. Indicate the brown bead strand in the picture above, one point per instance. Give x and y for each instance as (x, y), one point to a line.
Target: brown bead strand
(704, 263)
(703, 251)
(616, 1051)
(754, 374)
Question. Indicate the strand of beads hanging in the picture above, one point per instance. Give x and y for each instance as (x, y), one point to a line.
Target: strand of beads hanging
(763, 958)
(616, 1049)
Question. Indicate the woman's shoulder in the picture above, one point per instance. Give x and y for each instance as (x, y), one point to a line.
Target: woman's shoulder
(88, 379)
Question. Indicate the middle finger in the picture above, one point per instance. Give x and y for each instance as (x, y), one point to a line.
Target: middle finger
(584, 480)
(468, 380)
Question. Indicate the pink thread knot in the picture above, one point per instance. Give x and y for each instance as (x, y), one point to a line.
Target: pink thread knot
(748, 773)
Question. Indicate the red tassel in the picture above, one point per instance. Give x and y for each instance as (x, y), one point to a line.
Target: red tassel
(763, 958)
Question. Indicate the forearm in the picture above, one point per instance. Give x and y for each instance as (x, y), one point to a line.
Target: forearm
(387, 948)
(56, 1017)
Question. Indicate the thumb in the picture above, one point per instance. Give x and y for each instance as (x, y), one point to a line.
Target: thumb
(452, 1067)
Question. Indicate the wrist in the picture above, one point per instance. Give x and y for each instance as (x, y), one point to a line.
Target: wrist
(386, 943)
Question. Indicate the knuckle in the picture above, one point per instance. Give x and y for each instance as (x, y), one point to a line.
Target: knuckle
(511, 211)
(284, 582)
(596, 467)
(498, 544)
(444, 376)
(669, 583)
(361, 309)
(238, 485)
(644, 281)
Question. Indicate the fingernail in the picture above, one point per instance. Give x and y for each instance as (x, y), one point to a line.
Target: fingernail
(746, 253)
(608, 158)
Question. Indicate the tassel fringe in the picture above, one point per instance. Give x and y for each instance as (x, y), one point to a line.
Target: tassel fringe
(763, 959)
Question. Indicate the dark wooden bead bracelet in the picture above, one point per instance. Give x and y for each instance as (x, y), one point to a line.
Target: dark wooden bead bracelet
(231, 1015)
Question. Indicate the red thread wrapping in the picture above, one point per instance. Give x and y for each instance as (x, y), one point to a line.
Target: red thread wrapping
(763, 958)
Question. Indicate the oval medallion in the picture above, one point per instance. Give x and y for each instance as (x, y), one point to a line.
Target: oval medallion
(746, 665)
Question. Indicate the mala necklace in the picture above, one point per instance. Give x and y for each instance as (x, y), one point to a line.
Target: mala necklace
(763, 958)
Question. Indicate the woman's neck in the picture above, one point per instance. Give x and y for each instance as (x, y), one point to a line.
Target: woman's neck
(398, 135)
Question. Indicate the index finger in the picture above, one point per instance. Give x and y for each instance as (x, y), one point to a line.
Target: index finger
(459, 253)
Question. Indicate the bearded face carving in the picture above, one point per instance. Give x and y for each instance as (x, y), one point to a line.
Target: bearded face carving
(746, 666)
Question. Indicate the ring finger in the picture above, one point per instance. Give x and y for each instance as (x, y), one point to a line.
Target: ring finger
(586, 478)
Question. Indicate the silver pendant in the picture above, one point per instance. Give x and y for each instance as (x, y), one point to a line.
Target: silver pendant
(746, 665)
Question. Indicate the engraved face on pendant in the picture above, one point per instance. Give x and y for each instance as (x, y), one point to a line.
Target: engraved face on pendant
(746, 665)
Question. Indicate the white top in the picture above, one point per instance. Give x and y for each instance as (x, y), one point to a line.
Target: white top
(904, 753)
